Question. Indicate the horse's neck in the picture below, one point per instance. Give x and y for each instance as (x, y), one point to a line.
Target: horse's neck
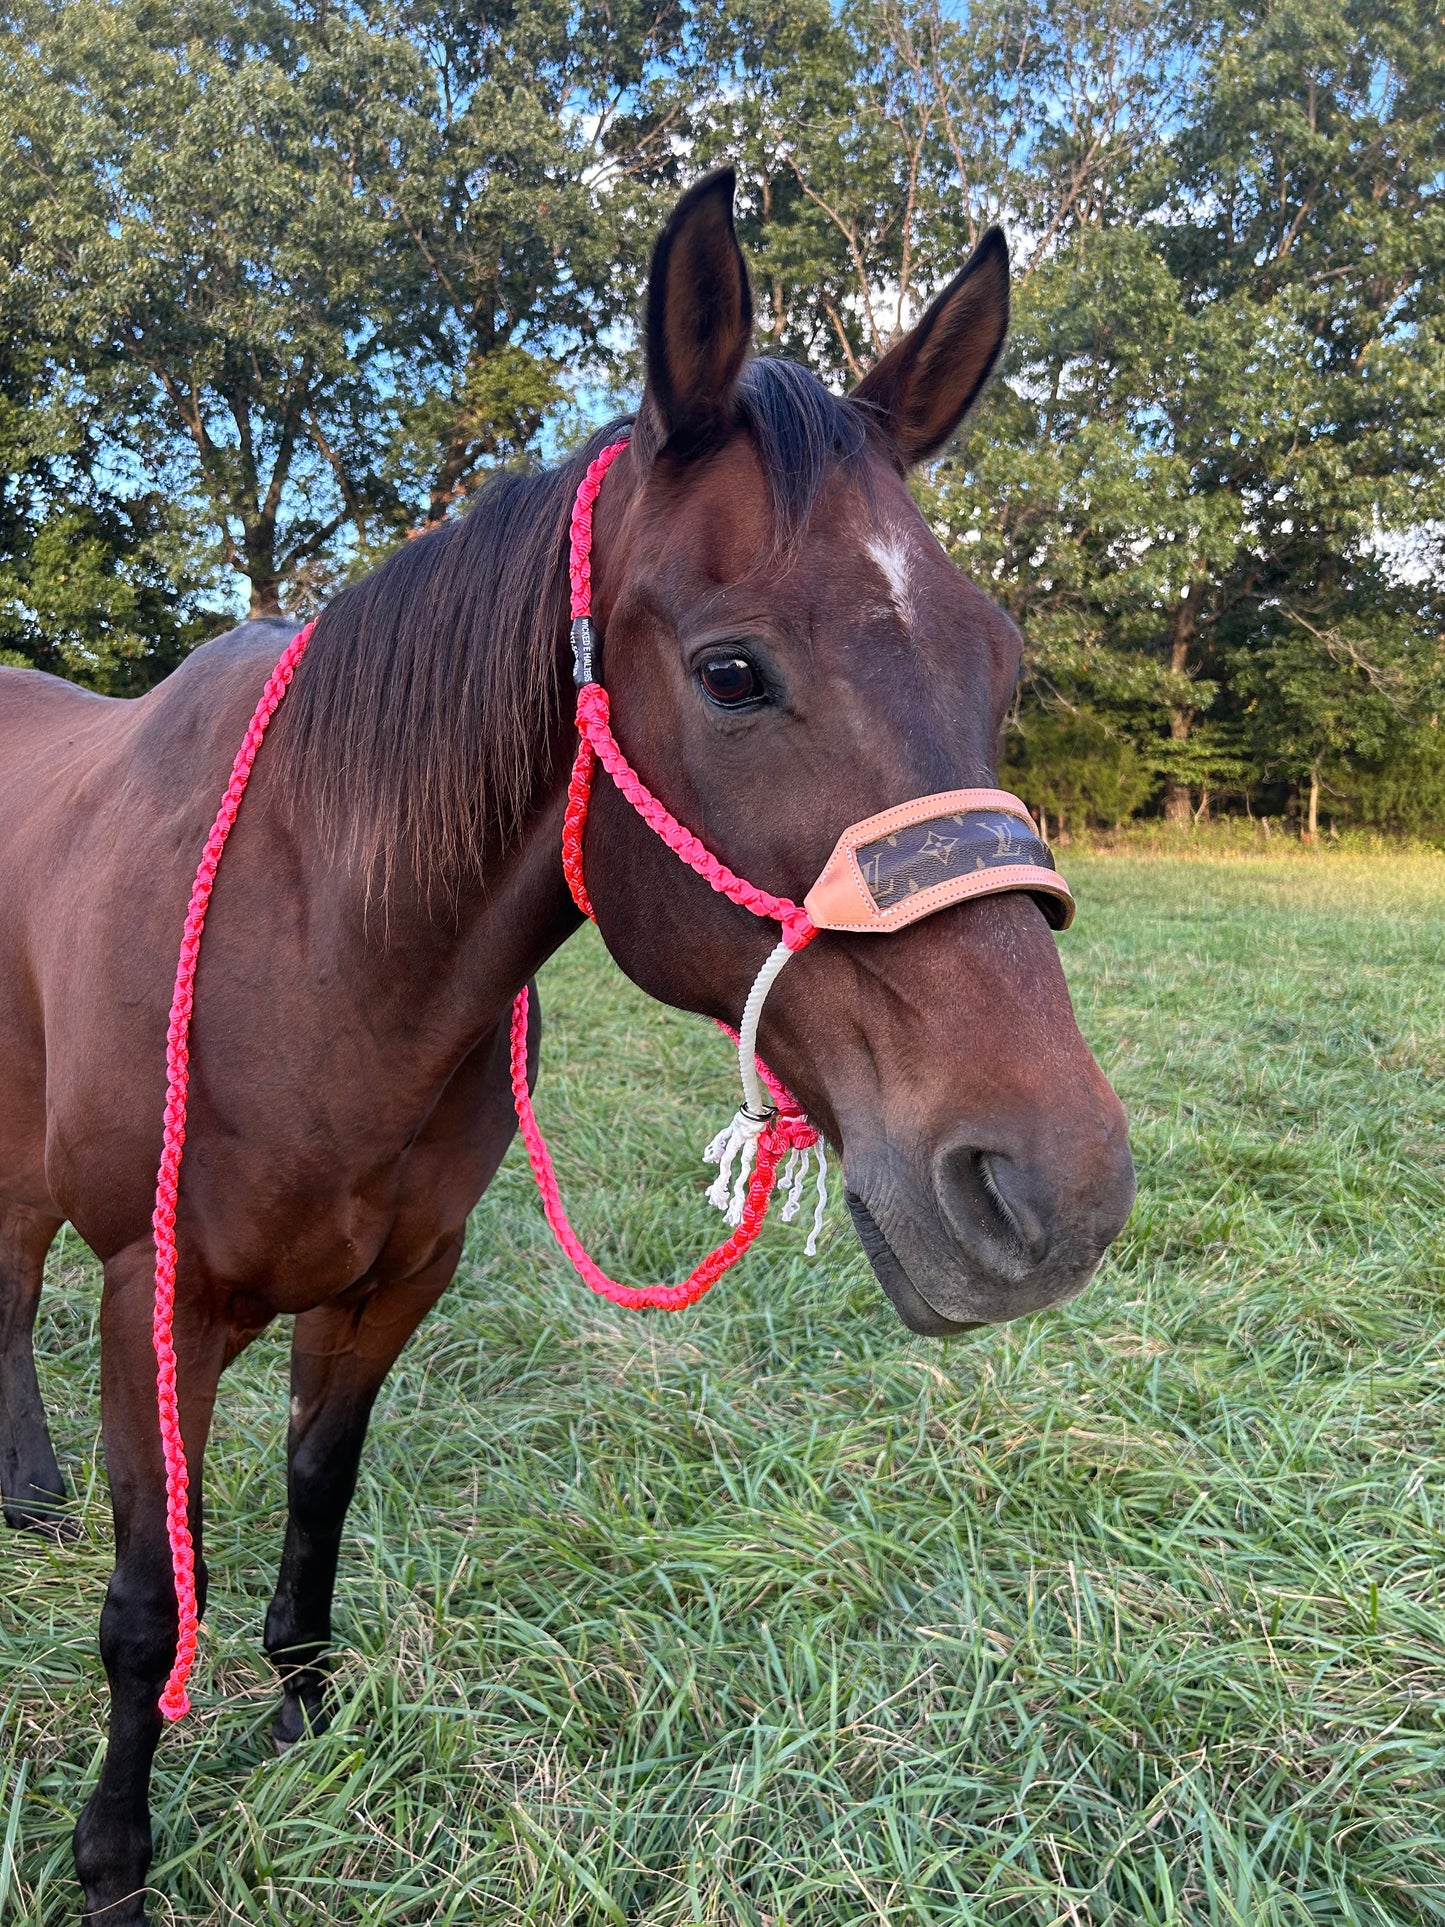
(442, 958)
(327, 956)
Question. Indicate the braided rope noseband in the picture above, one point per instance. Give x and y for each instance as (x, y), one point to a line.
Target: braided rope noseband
(877, 879)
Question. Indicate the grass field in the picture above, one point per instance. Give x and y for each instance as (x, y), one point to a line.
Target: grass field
(772, 1614)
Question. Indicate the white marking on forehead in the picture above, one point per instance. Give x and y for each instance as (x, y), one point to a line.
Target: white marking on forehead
(889, 550)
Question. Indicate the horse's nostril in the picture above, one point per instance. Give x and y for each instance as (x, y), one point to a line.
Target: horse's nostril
(1004, 1183)
(984, 1200)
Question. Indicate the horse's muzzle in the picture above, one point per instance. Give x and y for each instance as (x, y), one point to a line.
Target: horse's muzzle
(975, 1237)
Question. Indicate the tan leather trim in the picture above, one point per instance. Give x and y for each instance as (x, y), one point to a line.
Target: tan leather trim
(920, 808)
(844, 904)
(840, 899)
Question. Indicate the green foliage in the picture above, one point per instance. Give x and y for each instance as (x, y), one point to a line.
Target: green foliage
(770, 1613)
(283, 283)
(195, 243)
(1074, 768)
(323, 260)
(95, 598)
(97, 583)
(1402, 790)
(1223, 395)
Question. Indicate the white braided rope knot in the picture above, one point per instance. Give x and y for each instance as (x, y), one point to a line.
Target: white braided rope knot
(734, 1150)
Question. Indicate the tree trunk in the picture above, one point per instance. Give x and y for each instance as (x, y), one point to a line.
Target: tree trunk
(1178, 799)
(265, 597)
(1178, 803)
(258, 558)
(1314, 816)
(447, 485)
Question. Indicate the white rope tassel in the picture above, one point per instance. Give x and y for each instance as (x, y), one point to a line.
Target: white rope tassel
(810, 1249)
(735, 1148)
(795, 1176)
(795, 1173)
(736, 1145)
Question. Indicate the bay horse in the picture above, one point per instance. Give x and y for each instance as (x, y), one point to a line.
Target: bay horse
(786, 647)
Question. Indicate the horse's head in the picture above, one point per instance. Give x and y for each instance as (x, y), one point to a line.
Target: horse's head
(788, 650)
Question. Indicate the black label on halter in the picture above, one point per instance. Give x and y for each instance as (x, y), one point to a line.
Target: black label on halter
(584, 649)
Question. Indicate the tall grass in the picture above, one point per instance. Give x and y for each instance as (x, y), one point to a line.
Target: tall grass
(771, 1614)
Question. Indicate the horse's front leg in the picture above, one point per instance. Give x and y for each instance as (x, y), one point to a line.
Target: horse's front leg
(138, 1623)
(340, 1356)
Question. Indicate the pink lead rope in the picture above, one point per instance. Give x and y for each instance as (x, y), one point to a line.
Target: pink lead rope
(786, 1132)
(175, 1702)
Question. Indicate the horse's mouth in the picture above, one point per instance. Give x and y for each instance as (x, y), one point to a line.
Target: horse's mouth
(904, 1296)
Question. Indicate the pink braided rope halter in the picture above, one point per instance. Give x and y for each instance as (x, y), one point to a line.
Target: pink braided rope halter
(877, 879)
(783, 1128)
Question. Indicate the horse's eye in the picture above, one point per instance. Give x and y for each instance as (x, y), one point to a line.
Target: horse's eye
(730, 680)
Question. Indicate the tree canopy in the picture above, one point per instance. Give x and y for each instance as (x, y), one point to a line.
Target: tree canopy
(281, 281)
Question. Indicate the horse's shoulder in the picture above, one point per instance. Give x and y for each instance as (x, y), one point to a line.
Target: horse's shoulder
(202, 706)
(33, 701)
(64, 748)
(234, 657)
(39, 714)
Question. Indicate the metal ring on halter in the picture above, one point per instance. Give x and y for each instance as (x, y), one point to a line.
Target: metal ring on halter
(584, 650)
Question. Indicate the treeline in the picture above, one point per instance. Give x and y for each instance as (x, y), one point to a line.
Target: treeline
(280, 281)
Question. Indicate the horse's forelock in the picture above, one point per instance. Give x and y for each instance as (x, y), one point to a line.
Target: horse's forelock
(800, 430)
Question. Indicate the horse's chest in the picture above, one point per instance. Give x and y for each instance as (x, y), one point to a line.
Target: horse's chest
(295, 1225)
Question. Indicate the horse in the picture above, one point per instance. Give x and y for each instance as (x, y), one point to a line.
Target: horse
(785, 641)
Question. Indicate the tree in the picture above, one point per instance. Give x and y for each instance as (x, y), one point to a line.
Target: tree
(1224, 394)
(1308, 208)
(869, 163)
(200, 245)
(97, 581)
(282, 282)
(333, 257)
(1324, 701)
(509, 164)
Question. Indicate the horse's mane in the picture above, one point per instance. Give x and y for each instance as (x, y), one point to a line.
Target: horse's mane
(421, 714)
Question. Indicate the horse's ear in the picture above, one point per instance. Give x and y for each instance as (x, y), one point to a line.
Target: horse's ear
(699, 321)
(927, 382)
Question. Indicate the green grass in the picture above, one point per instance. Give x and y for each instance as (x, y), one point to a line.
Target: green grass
(769, 1613)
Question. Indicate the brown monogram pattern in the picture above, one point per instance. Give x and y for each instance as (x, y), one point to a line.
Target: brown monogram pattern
(944, 847)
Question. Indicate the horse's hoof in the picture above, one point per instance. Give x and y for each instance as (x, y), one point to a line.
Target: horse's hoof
(296, 1722)
(42, 1512)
